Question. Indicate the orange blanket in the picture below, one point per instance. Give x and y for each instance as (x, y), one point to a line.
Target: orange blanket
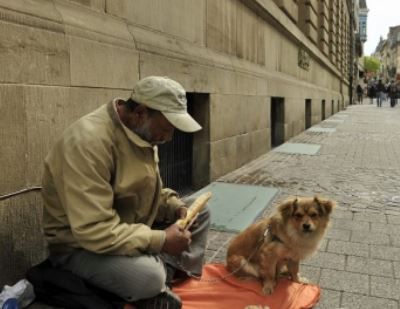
(219, 290)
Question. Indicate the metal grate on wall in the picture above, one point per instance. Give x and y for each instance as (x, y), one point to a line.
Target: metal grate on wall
(176, 162)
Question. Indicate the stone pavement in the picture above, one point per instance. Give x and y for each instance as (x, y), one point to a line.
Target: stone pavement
(358, 264)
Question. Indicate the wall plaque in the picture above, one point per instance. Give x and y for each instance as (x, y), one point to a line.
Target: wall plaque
(304, 59)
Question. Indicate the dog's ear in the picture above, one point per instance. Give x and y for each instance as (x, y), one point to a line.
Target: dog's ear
(326, 206)
(288, 207)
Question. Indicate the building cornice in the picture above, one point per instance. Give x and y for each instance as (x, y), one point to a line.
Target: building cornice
(269, 11)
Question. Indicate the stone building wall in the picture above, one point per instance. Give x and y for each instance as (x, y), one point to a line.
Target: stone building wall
(60, 59)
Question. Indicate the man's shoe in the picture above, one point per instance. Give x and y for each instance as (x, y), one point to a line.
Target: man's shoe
(170, 270)
(165, 300)
(174, 275)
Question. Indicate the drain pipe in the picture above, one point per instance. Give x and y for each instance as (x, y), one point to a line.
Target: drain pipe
(351, 56)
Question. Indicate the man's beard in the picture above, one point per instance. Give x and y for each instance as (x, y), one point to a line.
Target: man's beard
(144, 133)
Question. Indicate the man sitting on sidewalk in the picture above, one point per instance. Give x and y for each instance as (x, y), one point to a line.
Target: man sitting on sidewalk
(104, 204)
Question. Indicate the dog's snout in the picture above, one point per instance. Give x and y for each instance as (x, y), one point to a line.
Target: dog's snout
(306, 226)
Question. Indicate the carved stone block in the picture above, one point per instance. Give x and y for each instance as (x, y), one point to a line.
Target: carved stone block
(304, 59)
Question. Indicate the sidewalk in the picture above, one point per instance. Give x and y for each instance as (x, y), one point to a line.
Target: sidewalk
(358, 265)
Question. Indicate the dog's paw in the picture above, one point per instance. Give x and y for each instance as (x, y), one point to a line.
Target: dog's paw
(300, 279)
(304, 280)
(268, 287)
(284, 274)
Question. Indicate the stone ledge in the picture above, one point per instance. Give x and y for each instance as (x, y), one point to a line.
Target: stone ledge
(40, 14)
(18, 18)
(84, 22)
(69, 18)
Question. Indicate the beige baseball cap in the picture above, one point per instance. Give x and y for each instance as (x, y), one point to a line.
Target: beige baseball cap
(168, 97)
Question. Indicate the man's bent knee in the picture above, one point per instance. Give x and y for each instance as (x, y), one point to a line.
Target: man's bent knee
(155, 283)
(152, 282)
(130, 278)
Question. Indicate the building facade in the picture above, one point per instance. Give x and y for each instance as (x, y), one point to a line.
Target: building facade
(381, 53)
(363, 18)
(388, 52)
(393, 67)
(360, 37)
(257, 72)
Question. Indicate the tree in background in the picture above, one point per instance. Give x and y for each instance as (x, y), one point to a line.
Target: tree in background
(371, 65)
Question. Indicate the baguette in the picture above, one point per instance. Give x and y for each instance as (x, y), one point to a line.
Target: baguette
(192, 212)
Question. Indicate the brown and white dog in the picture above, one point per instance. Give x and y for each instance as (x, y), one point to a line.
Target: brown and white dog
(285, 238)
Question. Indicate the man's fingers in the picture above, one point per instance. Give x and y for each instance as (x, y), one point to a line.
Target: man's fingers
(192, 222)
(188, 236)
(182, 212)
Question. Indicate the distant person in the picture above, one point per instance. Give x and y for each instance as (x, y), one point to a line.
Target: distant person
(392, 93)
(380, 93)
(387, 90)
(359, 94)
(371, 92)
(397, 90)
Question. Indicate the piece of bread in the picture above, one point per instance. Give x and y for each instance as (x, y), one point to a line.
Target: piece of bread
(197, 206)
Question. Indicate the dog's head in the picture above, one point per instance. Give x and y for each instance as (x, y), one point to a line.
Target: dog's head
(307, 215)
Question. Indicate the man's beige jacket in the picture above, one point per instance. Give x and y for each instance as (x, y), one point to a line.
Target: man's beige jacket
(102, 189)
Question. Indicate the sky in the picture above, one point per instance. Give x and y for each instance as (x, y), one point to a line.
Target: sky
(382, 15)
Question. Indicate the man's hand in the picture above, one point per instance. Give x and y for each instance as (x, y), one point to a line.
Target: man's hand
(176, 240)
(181, 212)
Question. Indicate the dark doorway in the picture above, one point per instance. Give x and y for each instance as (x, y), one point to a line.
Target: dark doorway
(277, 121)
(332, 107)
(177, 157)
(308, 114)
(338, 106)
(323, 110)
(201, 140)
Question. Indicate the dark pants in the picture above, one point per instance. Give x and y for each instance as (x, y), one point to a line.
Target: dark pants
(360, 98)
(392, 101)
(379, 98)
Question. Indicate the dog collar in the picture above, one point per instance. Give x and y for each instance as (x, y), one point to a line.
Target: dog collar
(266, 231)
(273, 237)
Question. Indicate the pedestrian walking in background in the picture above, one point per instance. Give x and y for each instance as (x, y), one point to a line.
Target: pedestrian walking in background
(371, 92)
(359, 94)
(380, 93)
(392, 93)
(397, 90)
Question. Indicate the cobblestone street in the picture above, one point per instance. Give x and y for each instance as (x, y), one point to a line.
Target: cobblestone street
(358, 264)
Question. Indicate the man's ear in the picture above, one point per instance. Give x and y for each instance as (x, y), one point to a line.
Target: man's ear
(288, 207)
(141, 111)
(326, 206)
(139, 115)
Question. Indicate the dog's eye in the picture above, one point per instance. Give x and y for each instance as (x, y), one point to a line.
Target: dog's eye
(298, 216)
